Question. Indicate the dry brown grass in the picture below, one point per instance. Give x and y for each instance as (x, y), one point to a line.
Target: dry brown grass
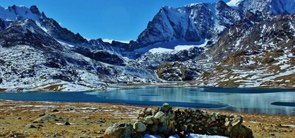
(91, 120)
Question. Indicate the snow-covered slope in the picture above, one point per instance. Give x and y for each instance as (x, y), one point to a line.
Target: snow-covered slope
(234, 3)
(38, 54)
(192, 23)
(262, 55)
(196, 22)
(14, 13)
(267, 7)
(219, 18)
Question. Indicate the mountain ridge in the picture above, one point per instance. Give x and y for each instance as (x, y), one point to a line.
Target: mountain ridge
(191, 43)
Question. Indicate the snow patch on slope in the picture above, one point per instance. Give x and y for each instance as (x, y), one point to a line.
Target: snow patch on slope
(234, 3)
(111, 40)
(177, 48)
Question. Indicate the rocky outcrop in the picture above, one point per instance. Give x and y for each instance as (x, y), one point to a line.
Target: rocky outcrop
(266, 47)
(165, 121)
(175, 71)
(201, 21)
(59, 32)
(192, 23)
(26, 32)
(101, 55)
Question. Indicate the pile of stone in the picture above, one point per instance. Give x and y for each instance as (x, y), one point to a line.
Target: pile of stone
(164, 122)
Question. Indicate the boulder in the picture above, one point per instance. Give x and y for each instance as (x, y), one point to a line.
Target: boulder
(149, 120)
(148, 111)
(55, 110)
(139, 127)
(47, 118)
(30, 126)
(237, 120)
(67, 123)
(160, 116)
(240, 131)
(166, 107)
(171, 116)
(141, 113)
(119, 131)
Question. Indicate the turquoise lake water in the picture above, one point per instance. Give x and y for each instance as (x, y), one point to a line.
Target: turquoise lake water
(249, 100)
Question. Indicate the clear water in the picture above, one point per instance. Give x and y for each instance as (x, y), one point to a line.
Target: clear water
(249, 100)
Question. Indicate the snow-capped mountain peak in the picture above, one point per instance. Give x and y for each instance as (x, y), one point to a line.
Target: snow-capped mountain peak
(14, 12)
(234, 3)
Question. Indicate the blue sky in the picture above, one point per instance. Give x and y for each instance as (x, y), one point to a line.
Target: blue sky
(112, 19)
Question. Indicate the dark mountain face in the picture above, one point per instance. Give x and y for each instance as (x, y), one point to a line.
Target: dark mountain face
(53, 28)
(192, 23)
(102, 56)
(59, 32)
(26, 32)
(201, 21)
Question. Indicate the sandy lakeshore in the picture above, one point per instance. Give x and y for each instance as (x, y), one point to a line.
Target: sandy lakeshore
(18, 119)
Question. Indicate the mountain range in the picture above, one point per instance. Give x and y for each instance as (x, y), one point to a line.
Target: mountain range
(242, 43)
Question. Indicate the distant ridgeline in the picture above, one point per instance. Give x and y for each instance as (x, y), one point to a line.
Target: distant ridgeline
(242, 43)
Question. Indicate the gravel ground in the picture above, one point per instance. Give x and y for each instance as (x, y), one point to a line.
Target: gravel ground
(18, 119)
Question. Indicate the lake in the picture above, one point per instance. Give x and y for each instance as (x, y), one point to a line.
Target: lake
(248, 100)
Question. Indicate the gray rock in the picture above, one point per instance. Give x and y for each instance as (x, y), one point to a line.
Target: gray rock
(69, 108)
(47, 118)
(240, 131)
(139, 127)
(141, 113)
(149, 120)
(55, 110)
(28, 126)
(237, 120)
(148, 111)
(67, 123)
(171, 116)
(160, 116)
(166, 107)
(119, 131)
(214, 116)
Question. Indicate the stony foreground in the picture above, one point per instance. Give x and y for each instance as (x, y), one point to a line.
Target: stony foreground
(166, 121)
(44, 119)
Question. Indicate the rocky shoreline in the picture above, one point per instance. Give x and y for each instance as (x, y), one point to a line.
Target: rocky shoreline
(51, 119)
